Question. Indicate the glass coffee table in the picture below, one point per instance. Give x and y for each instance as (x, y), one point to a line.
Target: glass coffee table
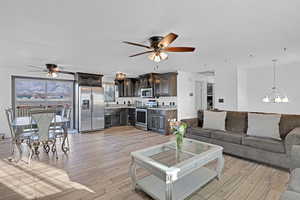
(176, 174)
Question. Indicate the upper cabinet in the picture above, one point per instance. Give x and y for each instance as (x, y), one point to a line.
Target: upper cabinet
(162, 85)
(126, 87)
(165, 85)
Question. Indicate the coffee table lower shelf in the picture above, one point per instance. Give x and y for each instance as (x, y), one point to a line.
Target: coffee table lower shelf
(182, 188)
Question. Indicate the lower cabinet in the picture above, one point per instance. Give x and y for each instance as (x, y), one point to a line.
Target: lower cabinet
(124, 116)
(115, 118)
(119, 117)
(131, 116)
(158, 120)
(157, 123)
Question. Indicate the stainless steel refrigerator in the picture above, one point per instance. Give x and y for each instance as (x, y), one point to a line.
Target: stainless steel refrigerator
(91, 108)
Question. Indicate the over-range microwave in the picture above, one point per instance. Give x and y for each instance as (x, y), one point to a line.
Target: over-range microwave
(146, 92)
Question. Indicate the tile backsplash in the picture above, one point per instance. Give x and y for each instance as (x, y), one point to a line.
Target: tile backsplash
(161, 100)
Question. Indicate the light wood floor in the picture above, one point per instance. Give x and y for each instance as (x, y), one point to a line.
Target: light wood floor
(97, 168)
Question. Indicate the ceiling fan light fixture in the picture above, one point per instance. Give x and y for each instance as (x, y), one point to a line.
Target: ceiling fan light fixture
(157, 57)
(52, 74)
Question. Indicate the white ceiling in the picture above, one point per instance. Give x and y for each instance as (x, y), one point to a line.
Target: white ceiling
(87, 34)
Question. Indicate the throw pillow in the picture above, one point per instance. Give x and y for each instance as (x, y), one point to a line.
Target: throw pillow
(214, 120)
(264, 125)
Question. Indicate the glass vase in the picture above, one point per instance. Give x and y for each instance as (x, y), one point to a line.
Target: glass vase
(179, 141)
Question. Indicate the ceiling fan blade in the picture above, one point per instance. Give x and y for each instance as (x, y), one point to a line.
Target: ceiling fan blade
(67, 72)
(136, 44)
(179, 49)
(141, 53)
(36, 67)
(168, 39)
(38, 71)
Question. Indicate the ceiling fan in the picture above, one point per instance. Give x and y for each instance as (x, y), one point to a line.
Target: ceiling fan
(159, 46)
(52, 70)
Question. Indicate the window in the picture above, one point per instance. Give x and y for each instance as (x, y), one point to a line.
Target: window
(42, 92)
(109, 92)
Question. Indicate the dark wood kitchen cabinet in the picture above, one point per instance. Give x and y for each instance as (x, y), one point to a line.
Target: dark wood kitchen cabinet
(162, 85)
(158, 120)
(131, 116)
(123, 116)
(120, 85)
(165, 85)
(115, 117)
(129, 87)
(119, 117)
(126, 87)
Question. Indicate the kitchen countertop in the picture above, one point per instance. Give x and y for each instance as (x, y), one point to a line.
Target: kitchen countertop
(131, 106)
(118, 106)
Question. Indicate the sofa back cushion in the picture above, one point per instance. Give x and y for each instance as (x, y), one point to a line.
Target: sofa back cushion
(214, 120)
(237, 121)
(288, 123)
(264, 125)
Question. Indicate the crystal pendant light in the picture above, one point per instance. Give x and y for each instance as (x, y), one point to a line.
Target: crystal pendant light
(275, 96)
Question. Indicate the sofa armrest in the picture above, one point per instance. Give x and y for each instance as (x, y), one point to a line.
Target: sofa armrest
(292, 138)
(191, 122)
(295, 157)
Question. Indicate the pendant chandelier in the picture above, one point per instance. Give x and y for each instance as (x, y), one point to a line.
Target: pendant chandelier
(275, 96)
(120, 76)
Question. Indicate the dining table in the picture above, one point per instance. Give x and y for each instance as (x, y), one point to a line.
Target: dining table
(21, 123)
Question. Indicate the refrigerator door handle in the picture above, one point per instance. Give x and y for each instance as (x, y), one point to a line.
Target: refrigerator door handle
(92, 102)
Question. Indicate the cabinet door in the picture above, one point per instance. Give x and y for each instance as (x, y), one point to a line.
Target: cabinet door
(164, 85)
(115, 118)
(161, 123)
(123, 117)
(120, 85)
(173, 85)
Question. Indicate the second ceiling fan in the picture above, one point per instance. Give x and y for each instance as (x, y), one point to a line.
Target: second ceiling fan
(159, 46)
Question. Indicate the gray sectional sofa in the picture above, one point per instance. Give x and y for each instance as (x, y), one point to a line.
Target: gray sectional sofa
(236, 142)
(293, 189)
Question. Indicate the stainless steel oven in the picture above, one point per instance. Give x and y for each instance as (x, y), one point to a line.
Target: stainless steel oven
(146, 92)
(141, 118)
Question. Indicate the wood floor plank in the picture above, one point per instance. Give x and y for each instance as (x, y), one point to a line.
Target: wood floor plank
(97, 168)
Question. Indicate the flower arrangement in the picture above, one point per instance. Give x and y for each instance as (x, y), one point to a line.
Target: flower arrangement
(178, 128)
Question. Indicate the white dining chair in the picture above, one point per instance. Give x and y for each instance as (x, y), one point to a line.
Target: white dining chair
(17, 136)
(44, 120)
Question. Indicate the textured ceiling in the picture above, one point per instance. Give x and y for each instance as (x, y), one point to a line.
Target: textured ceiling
(87, 34)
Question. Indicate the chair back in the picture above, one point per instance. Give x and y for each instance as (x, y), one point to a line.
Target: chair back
(68, 112)
(43, 120)
(22, 111)
(10, 118)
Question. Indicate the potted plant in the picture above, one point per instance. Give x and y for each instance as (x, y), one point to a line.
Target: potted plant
(178, 128)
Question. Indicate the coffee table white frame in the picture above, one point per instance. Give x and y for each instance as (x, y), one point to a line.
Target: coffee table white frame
(179, 181)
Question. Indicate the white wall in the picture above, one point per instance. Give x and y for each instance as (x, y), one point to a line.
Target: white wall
(259, 83)
(186, 108)
(242, 96)
(226, 88)
(5, 88)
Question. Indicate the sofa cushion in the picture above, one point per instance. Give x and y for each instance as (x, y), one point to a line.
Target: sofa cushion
(200, 131)
(294, 183)
(227, 136)
(267, 144)
(290, 195)
(288, 123)
(214, 120)
(237, 121)
(264, 125)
